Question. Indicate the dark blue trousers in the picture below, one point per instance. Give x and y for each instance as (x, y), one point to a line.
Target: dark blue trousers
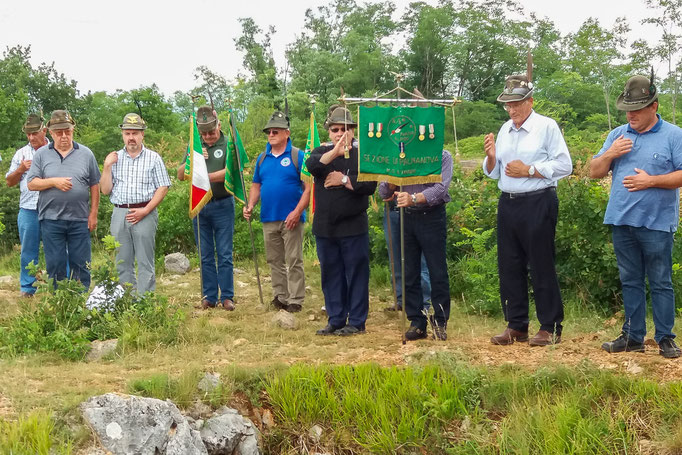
(425, 233)
(344, 265)
(66, 241)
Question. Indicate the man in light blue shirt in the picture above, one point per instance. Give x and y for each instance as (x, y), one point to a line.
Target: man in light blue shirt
(645, 158)
(528, 158)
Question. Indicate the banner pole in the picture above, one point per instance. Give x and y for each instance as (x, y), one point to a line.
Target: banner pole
(391, 258)
(191, 171)
(246, 201)
(403, 316)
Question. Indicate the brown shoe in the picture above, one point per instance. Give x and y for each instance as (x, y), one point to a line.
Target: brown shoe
(544, 338)
(228, 304)
(509, 336)
(205, 304)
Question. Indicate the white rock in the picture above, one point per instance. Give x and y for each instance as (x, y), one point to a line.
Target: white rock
(176, 263)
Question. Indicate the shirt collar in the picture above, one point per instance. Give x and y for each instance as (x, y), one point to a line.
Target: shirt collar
(217, 143)
(125, 153)
(653, 129)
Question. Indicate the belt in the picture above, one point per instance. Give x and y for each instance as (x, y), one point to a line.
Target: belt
(423, 210)
(137, 205)
(216, 199)
(551, 189)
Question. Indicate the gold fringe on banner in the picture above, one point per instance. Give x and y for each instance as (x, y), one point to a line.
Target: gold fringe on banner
(416, 180)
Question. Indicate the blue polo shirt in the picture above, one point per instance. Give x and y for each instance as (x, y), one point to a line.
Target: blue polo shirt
(281, 186)
(657, 151)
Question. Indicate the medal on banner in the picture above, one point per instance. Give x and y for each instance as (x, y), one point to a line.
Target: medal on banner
(380, 127)
(402, 150)
(431, 134)
(371, 130)
(422, 130)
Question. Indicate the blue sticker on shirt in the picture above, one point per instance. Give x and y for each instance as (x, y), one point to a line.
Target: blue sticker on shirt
(285, 162)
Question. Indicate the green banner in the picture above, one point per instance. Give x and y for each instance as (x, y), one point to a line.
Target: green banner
(400, 144)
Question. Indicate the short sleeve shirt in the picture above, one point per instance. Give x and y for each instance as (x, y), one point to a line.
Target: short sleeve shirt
(80, 165)
(281, 185)
(136, 179)
(657, 151)
(27, 199)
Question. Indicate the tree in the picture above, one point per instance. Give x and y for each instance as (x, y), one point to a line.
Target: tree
(258, 59)
(669, 20)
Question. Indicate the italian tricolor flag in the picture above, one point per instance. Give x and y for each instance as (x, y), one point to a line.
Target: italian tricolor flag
(195, 167)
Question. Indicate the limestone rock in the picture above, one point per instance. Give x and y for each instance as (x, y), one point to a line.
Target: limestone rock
(127, 424)
(209, 382)
(230, 434)
(105, 296)
(99, 349)
(6, 279)
(176, 263)
(315, 433)
(285, 320)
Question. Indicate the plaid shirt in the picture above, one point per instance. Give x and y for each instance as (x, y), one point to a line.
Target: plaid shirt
(28, 199)
(136, 179)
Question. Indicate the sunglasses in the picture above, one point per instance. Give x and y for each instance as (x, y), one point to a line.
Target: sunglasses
(343, 129)
(272, 132)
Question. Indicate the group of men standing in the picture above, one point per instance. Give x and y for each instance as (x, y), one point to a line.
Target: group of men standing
(60, 183)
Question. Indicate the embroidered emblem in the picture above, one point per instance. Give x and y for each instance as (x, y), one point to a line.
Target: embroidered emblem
(285, 161)
(218, 153)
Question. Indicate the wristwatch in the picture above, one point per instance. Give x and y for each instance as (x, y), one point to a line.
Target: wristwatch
(531, 170)
(414, 198)
(344, 180)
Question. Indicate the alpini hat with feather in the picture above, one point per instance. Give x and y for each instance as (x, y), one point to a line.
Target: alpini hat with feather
(639, 93)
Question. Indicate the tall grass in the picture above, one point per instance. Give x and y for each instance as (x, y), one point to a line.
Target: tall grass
(31, 434)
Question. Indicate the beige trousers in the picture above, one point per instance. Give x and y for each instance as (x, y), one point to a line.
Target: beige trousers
(284, 253)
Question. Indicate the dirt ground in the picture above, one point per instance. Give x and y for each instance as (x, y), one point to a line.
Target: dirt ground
(217, 340)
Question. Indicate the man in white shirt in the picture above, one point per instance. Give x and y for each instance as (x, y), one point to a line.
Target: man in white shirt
(528, 158)
(27, 220)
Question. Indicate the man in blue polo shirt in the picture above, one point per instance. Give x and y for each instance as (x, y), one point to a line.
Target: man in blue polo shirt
(277, 181)
(645, 158)
(66, 175)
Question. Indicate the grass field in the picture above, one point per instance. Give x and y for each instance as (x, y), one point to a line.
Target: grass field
(369, 393)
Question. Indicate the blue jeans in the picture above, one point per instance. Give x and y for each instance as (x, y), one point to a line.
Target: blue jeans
(60, 236)
(216, 226)
(29, 236)
(641, 251)
(344, 268)
(394, 216)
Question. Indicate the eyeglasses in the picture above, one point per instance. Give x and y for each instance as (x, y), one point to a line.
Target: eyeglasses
(272, 132)
(510, 107)
(343, 129)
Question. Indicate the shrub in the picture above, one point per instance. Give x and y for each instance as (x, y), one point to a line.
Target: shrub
(62, 323)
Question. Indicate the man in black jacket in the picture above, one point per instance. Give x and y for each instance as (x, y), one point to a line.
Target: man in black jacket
(341, 227)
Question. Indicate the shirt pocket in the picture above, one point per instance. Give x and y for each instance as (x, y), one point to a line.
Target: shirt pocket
(660, 163)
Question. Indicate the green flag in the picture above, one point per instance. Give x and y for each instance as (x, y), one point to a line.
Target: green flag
(400, 144)
(312, 143)
(233, 172)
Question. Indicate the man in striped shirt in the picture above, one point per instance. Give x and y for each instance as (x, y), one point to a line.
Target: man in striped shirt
(27, 220)
(137, 181)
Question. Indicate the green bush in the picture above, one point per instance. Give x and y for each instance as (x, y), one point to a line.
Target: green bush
(62, 323)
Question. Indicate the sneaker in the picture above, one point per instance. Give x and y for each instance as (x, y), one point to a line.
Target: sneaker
(294, 307)
(623, 344)
(277, 303)
(348, 331)
(668, 349)
(439, 332)
(328, 330)
(415, 333)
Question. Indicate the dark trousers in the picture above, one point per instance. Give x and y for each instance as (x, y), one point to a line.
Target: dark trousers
(66, 241)
(425, 233)
(525, 239)
(344, 266)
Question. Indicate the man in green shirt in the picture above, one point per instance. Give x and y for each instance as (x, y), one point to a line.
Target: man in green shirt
(214, 226)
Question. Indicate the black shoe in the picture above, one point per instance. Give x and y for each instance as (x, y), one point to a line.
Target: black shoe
(394, 307)
(277, 303)
(623, 343)
(294, 307)
(668, 349)
(329, 330)
(415, 333)
(439, 332)
(349, 330)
